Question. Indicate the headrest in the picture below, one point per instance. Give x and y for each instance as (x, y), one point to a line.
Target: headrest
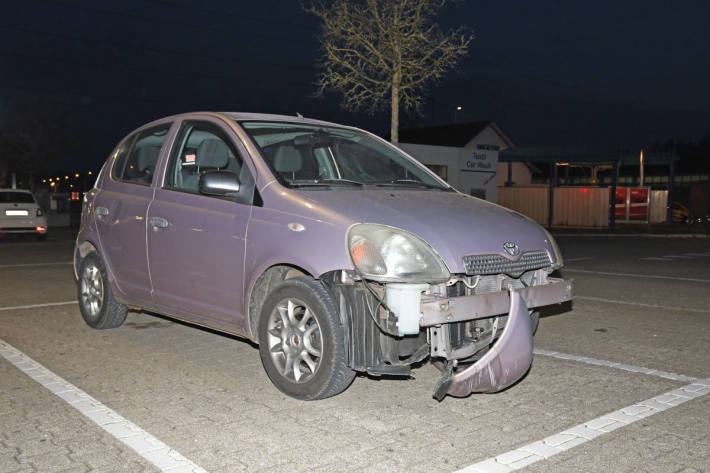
(147, 158)
(212, 153)
(287, 159)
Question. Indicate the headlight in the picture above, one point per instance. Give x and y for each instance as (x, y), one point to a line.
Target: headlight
(389, 254)
(556, 249)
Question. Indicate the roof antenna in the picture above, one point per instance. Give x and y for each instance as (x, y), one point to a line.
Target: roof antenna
(299, 115)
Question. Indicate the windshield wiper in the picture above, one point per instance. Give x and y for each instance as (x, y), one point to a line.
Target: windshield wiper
(325, 183)
(407, 183)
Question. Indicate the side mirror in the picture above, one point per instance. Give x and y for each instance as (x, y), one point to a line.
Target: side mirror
(219, 183)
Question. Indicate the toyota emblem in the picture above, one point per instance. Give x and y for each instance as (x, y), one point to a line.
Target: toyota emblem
(511, 248)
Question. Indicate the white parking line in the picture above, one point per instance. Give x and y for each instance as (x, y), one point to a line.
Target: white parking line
(579, 434)
(25, 265)
(37, 306)
(582, 433)
(676, 257)
(156, 452)
(629, 275)
(641, 304)
(613, 364)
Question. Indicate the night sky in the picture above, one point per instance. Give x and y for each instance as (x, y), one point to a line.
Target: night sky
(594, 74)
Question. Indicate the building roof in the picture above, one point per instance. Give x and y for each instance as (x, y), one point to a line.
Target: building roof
(578, 156)
(457, 134)
(539, 155)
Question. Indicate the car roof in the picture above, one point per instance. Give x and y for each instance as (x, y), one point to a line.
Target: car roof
(239, 116)
(243, 116)
(24, 191)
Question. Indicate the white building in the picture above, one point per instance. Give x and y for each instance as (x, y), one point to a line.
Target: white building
(466, 156)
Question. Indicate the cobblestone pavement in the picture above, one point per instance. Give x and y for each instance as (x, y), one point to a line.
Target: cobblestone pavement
(205, 394)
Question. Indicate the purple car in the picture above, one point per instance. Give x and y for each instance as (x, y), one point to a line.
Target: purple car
(332, 249)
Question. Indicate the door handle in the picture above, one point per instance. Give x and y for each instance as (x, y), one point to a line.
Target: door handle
(101, 211)
(158, 222)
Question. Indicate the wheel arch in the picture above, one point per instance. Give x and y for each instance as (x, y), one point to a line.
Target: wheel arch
(86, 247)
(80, 251)
(267, 280)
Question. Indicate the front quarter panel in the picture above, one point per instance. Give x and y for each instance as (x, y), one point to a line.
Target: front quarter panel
(313, 246)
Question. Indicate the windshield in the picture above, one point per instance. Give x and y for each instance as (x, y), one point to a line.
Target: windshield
(313, 156)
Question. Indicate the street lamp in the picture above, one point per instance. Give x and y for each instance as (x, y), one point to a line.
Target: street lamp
(458, 109)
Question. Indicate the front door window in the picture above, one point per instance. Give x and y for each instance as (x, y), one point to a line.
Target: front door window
(201, 147)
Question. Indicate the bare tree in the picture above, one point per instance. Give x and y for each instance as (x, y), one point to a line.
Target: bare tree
(375, 51)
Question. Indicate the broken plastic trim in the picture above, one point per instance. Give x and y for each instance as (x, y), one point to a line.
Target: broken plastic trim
(504, 364)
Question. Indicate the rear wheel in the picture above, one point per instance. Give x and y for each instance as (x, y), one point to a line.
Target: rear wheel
(98, 307)
(301, 341)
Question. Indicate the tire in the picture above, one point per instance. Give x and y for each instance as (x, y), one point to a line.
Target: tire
(96, 302)
(42, 236)
(301, 341)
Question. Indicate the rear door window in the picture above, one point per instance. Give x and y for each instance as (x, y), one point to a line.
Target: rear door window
(137, 157)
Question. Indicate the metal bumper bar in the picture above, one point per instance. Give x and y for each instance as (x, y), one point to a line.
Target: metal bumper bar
(446, 310)
(506, 362)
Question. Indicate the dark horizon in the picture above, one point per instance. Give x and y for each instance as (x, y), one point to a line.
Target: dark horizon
(597, 76)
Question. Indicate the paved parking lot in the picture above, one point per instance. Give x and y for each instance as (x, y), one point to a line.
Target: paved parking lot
(620, 383)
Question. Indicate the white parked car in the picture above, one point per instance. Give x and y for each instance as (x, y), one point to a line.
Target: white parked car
(20, 213)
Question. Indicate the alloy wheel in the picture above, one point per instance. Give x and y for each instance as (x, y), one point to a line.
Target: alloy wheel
(294, 340)
(92, 290)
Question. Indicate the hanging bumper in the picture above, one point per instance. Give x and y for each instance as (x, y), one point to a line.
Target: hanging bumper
(511, 356)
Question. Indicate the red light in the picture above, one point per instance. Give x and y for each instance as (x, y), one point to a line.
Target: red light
(41, 229)
(585, 190)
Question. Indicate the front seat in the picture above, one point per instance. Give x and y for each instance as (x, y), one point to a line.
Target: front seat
(288, 160)
(212, 153)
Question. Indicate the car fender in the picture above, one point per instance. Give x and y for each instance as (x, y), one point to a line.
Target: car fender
(286, 240)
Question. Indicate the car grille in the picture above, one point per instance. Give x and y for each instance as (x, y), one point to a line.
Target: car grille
(497, 264)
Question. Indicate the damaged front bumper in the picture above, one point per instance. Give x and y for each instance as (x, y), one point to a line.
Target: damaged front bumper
(511, 356)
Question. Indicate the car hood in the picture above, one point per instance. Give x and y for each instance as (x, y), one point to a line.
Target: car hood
(452, 223)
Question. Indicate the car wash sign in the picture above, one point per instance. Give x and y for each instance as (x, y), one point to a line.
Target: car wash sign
(478, 160)
(478, 173)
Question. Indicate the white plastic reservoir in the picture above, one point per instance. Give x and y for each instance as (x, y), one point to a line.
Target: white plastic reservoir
(405, 301)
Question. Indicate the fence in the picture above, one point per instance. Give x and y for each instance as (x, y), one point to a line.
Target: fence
(573, 206)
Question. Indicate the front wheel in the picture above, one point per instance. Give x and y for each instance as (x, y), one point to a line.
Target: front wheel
(301, 341)
(98, 307)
